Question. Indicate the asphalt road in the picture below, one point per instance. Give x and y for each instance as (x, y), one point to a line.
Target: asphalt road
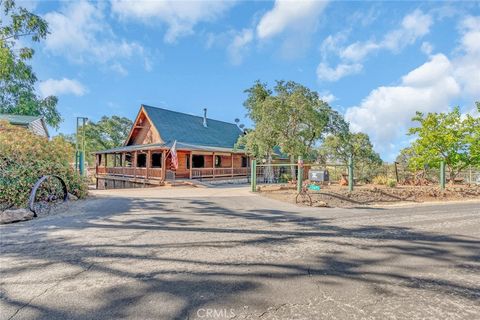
(224, 253)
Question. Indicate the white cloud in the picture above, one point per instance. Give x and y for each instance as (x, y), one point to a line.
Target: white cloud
(387, 111)
(359, 50)
(427, 48)
(467, 64)
(80, 32)
(61, 87)
(324, 72)
(327, 96)
(297, 19)
(118, 68)
(237, 48)
(414, 26)
(179, 16)
(288, 14)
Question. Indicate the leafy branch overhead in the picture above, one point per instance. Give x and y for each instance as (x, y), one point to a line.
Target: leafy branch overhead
(107, 133)
(17, 79)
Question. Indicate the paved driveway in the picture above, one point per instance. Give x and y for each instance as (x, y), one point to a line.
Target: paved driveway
(224, 253)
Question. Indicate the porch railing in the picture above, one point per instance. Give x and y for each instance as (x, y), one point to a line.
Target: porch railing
(219, 172)
(156, 173)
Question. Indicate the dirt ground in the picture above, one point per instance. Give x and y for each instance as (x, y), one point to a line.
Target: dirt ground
(371, 195)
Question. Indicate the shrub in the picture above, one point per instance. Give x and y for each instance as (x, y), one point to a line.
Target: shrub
(25, 157)
(392, 183)
(382, 180)
(285, 177)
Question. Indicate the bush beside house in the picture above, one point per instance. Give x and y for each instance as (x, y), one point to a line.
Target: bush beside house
(25, 157)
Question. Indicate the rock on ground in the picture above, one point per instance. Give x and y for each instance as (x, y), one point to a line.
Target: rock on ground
(14, 215)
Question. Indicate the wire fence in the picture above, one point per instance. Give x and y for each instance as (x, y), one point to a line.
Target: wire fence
(338, 173)
(287, 173)
(404, 175)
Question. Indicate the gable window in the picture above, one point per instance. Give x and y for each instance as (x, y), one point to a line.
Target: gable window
(198, 161)
(156, 160)
(218, 161)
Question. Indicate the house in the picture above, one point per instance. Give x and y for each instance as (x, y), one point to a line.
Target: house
(205, 150)
(36, 124)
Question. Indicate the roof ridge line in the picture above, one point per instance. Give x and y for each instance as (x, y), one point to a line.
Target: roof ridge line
(192, 115)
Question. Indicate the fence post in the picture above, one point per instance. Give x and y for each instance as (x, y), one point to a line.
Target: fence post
(253, 181)
(350, 173)
(442, 175)
(300, 174)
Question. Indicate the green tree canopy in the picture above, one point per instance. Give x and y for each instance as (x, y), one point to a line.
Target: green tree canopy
(290, 116)
(338, 149)
(452, 137)
(107, 133)
(17, 79)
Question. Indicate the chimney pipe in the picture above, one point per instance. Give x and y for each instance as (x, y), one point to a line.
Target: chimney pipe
(205, 117)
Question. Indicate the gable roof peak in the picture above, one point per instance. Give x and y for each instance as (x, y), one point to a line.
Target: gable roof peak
(187, 128)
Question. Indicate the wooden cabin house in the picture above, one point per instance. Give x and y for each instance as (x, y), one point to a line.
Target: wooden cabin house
(205, 150)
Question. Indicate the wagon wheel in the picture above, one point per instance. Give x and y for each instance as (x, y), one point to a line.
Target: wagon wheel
(47, 192)
(303, 198)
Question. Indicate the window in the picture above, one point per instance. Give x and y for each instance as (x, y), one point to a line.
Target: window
(117, 158)
(187, 157)
(198, 161)
(109, 160)
(141, 160)
(128, 159)
(218, 161)
(244, 162)
(156, 160)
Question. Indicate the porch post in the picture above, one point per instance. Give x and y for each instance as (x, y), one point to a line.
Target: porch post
(191, 163)
(135, 164)
(232, 165)
(123, 163)
(97, 162)
(164, 164)
(213, 165)
(149, 159)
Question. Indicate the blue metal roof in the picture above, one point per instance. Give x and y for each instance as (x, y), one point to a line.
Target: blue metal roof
(189, 129)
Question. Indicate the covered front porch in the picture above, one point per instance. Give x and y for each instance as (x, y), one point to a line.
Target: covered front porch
(153, 164)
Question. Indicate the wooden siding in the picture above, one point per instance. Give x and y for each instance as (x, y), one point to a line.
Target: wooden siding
(143, 131)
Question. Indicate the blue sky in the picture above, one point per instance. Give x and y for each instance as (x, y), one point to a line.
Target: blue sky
(376, 62)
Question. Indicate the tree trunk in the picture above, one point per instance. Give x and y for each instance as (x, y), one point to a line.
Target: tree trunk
(453, 175)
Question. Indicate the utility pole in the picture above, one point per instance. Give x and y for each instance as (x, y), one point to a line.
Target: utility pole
(350, 173)
(80, 148)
